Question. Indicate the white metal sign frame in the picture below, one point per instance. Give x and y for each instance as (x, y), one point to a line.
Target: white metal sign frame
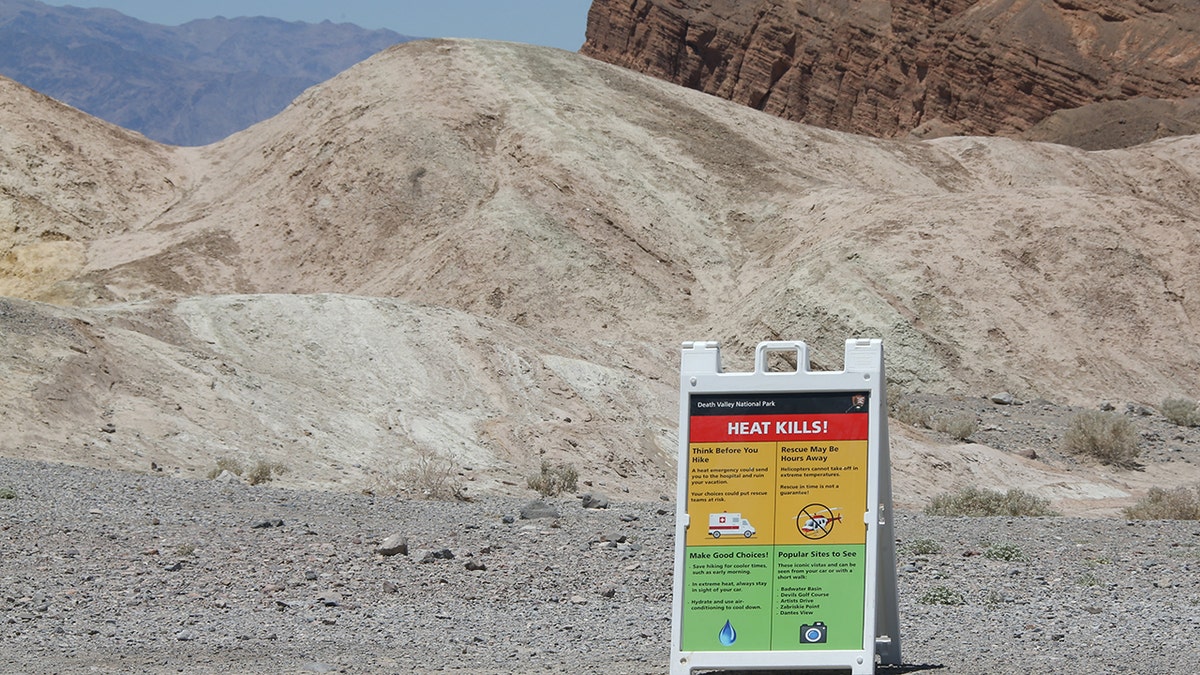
(782, 448)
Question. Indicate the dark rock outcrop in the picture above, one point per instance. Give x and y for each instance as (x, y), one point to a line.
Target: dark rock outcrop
(893, 67)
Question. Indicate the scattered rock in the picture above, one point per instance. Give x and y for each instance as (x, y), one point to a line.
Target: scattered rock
(263, 524)
(397, 544)
(475, 566)
(1002, 398)
(591, 501)
(444, 554)
(615, 537)
(538, 509)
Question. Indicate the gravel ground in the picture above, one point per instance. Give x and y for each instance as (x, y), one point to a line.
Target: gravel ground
(107, 572)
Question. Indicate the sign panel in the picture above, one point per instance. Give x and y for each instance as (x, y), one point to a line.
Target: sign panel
(776, 492)
(780, 480)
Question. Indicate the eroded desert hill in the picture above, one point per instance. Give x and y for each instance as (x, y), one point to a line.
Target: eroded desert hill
(491, 252)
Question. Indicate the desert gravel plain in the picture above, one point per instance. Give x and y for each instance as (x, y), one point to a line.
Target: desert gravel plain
(110, 572)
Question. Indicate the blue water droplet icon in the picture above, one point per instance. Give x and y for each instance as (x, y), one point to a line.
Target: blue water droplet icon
(728, 634)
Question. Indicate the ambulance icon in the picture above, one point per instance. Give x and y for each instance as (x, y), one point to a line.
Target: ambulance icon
(729, 523)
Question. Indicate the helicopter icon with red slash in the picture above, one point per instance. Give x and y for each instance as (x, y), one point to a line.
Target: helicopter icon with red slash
(815, 521)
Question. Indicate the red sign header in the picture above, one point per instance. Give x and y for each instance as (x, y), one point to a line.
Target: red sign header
(726, 428)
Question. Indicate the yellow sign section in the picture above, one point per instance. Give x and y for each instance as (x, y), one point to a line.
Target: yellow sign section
(731, 493)
(822, 493)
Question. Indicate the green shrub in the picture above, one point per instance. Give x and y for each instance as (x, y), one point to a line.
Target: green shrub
(924, 547)
(1178, 504)
(942, 595)
(555, 479)
(993, 598)
(8, 493)
(960, 427)
(977, 502)
(1105, 436)
(1005, 552)
(1181, 411)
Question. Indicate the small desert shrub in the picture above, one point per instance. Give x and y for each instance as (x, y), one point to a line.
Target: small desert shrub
(902, 408)
(1105, 436)
(924, 547)
(1005, 552)
(942, 595)
(555, 479)
(1181, 411)
(432, 476)
(226, 464)
(1178, 504)
(978, 502)
(263, 471)
(992, 598)
(7, 493)
(959, 427)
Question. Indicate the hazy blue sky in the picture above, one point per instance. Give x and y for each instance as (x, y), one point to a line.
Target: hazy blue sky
(553, 23)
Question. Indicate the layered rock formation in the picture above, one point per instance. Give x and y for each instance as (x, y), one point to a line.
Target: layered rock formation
(891, 67)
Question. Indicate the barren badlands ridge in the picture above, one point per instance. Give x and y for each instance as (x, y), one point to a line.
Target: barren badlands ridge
(491, 252)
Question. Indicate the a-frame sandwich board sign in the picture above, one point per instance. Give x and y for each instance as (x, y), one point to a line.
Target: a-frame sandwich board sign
(784, 547)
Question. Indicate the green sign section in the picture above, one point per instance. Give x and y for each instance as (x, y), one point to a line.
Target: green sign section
(759, 598)
(818, 597)
(728, 598)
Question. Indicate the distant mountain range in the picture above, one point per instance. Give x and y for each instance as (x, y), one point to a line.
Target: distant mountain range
(184, 85)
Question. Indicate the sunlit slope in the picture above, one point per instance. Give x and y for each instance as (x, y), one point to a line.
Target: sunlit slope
(550, 190)
(492, 251)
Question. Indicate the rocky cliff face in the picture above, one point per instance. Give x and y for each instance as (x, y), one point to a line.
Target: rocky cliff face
(891, 67)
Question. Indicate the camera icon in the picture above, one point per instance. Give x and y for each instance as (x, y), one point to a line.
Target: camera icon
(815, 633)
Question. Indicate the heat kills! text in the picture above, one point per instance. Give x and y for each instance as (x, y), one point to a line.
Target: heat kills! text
(780, 428)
